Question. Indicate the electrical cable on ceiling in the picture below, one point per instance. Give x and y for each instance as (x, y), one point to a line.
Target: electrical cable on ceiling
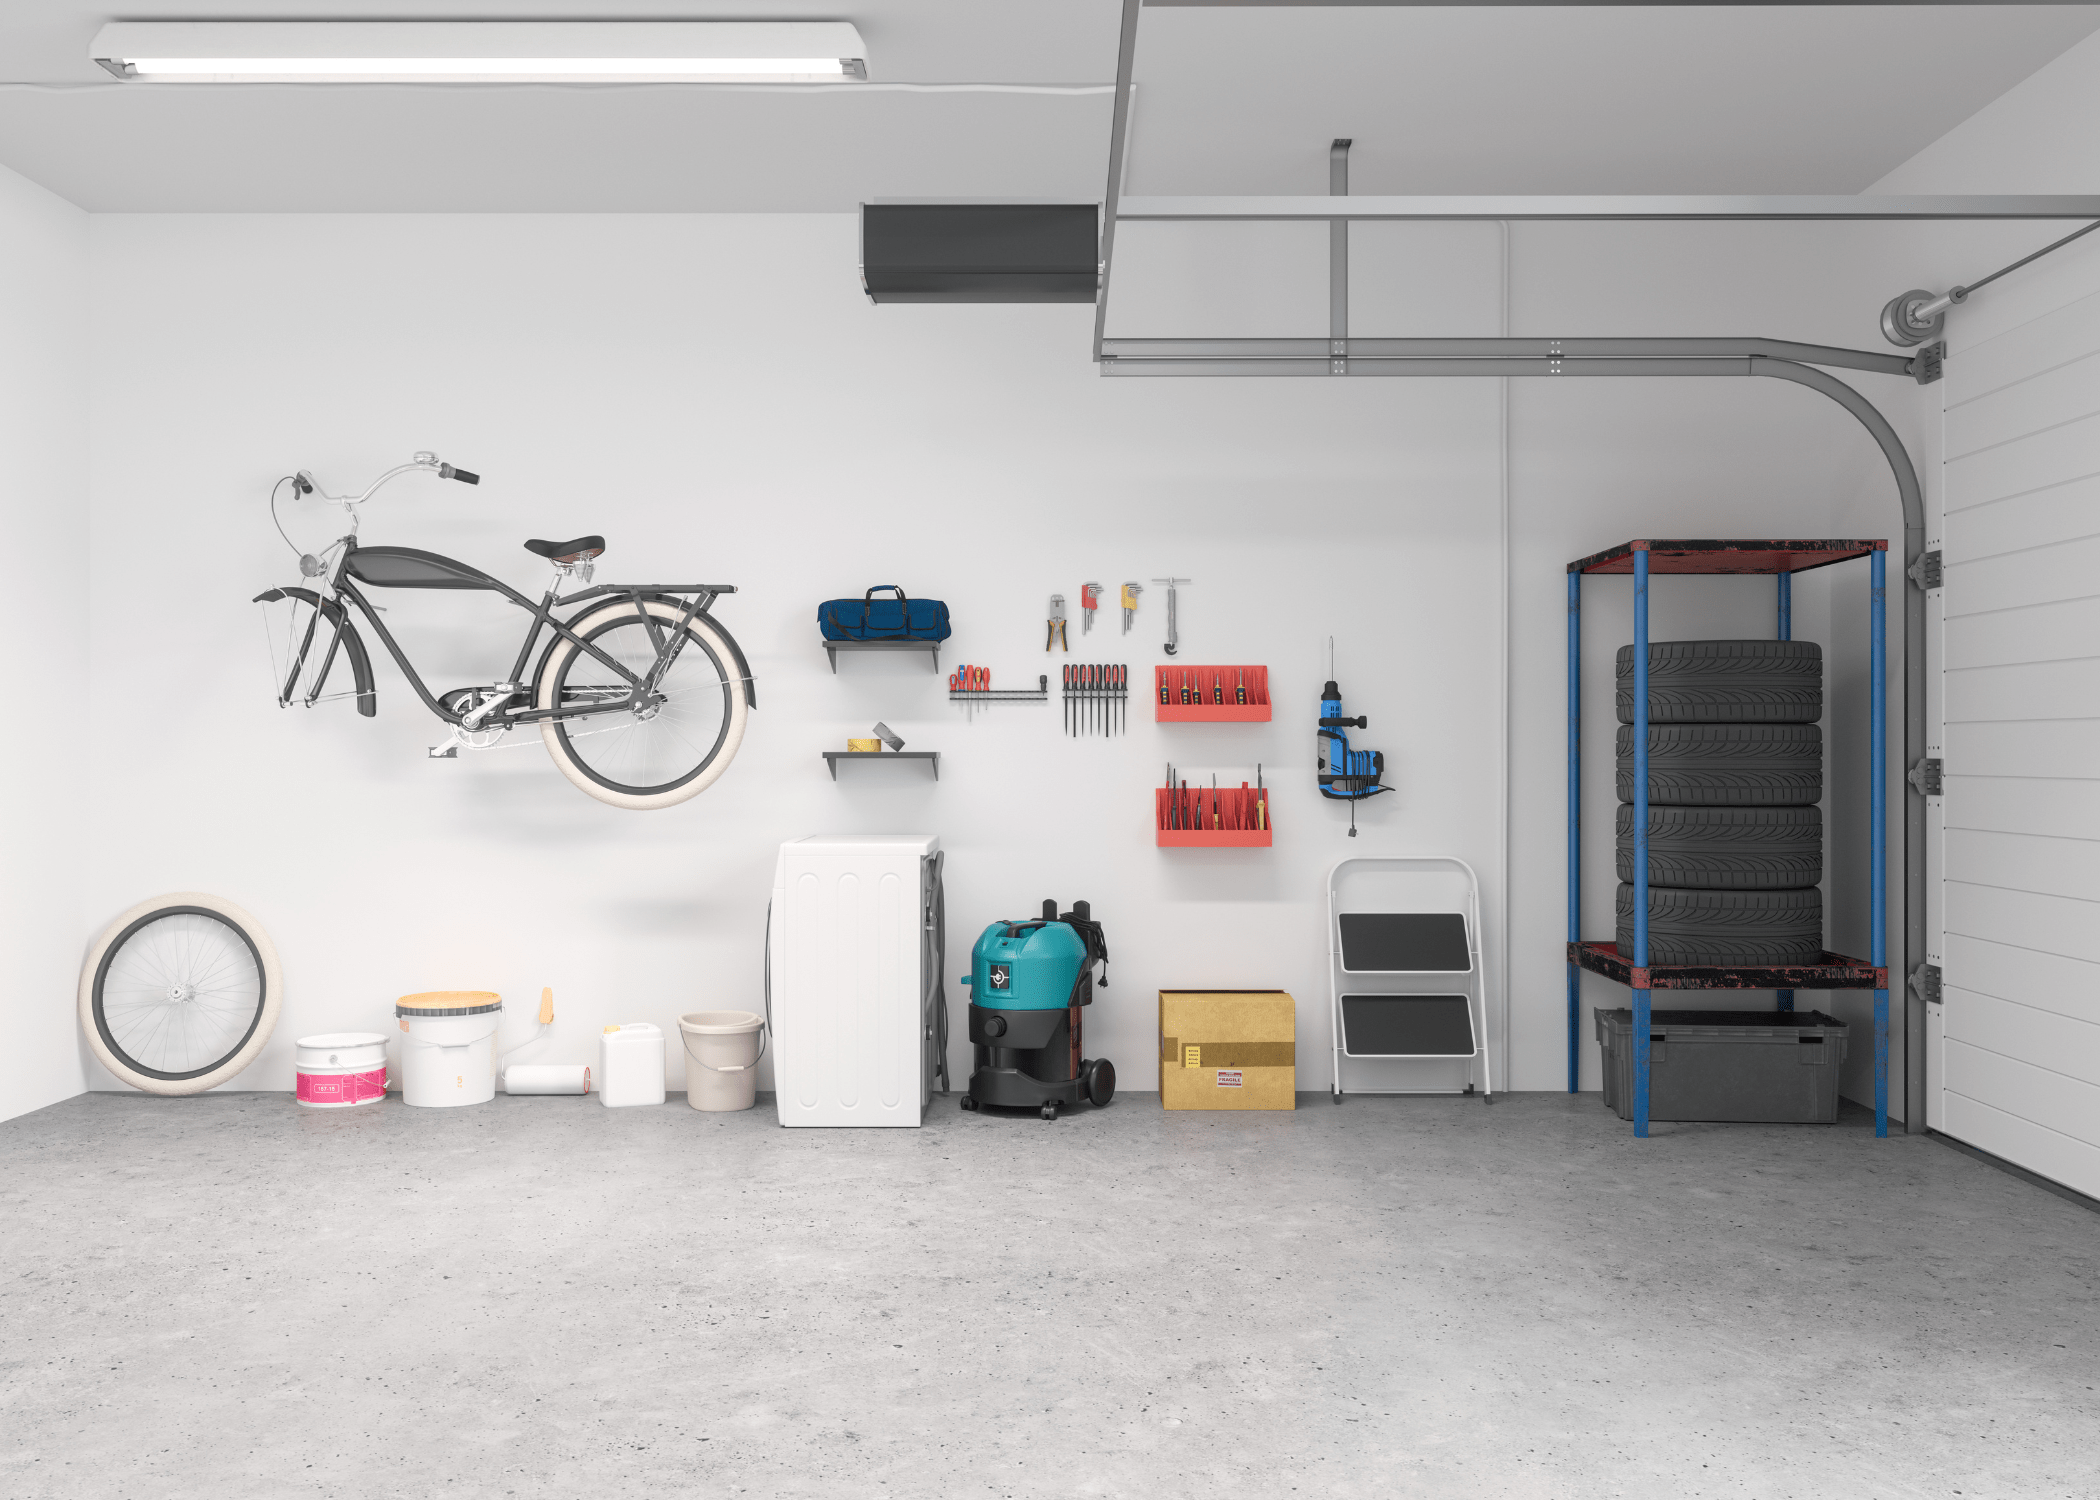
(1916, 316)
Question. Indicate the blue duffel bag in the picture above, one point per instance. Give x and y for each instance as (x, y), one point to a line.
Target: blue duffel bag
(871, 619)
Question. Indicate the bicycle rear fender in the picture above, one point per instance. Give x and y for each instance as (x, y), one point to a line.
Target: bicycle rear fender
(353, 643)
(743, 667)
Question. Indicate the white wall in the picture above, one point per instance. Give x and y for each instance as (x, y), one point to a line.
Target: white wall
(44, 479)
(715, 396)
(2016, 1057)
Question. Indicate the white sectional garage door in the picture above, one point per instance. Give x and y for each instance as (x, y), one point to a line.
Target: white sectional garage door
(2020, 947)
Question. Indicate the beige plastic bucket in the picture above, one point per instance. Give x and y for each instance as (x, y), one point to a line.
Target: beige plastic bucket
(722, 1048)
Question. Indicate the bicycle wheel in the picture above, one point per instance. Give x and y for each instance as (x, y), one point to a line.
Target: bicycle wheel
(180, 993)
(671, 750)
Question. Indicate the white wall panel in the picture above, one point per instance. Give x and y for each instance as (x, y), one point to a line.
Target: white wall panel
(2054, 808)
(2045, 574)
(2055, 514)
(2046, 632)
(2054, 1154)
(2048, 398)
(2021, 353)
(2040, 981)
(2043, 1096)
(2022, 919)
(2053, 455)
(2043, 747)
(43, 489)
(2028, 1034)
(2025, 861)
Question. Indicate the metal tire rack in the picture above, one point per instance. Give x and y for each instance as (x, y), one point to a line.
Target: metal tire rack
(1832, 971)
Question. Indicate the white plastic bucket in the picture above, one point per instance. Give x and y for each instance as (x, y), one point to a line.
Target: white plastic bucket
(722, 1049)
(448, 1054)
(340, 1069)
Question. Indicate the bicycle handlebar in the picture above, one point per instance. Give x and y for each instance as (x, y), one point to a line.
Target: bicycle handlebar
(427, 463)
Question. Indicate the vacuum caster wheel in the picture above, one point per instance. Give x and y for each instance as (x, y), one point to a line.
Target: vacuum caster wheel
(1100, 1076)
(1050, 1111)
(968, 1102)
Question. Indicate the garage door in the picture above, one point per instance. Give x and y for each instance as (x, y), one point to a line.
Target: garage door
(2018, 1033)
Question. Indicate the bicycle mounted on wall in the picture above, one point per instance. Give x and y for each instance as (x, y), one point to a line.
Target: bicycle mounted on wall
(640, 696)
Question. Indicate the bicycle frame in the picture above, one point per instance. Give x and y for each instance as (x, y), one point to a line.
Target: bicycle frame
(693, 600)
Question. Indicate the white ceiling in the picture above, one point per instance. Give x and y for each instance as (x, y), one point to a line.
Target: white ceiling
(1238, 99)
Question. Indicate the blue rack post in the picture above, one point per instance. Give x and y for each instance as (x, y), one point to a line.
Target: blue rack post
(1640, 839)
(1574, 829)
(1786, 633)
(1880, 837)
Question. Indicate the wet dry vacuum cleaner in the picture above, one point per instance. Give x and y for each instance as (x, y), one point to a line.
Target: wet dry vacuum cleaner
(1028, 984)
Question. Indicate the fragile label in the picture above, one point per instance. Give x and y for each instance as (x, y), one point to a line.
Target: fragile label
(1228, 1078)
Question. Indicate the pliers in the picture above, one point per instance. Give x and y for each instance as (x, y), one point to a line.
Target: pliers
(1056, 636)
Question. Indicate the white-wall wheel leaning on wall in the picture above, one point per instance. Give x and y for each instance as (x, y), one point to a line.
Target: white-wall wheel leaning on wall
(694, 735)
(180, 993)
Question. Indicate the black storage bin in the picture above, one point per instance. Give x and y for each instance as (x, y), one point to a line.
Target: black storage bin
(1748, 1067)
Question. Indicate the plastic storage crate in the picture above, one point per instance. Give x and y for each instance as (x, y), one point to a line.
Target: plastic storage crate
(1751, 1067)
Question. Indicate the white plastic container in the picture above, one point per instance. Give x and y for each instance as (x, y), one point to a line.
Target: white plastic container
(448, 1052)
(630, 1065)
(722, 1048)
(340, 1069)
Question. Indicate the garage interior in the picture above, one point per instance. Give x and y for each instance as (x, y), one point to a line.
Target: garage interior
(1619, 1020)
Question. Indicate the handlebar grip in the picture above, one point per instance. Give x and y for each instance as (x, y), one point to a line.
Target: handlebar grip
(462, 475)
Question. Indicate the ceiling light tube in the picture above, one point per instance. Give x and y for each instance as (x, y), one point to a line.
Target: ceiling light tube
(482, 51)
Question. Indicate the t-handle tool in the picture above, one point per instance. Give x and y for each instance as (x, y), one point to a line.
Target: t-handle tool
(1057, 624)
(1130, 593)
(1173, 637)
(1089, 602)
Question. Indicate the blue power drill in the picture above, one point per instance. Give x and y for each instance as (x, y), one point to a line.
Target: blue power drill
(1345, 775)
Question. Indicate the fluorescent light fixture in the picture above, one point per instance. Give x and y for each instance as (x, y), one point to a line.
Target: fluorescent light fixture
(482, 51)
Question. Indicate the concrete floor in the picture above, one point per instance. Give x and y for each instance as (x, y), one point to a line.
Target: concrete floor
(230, 1296)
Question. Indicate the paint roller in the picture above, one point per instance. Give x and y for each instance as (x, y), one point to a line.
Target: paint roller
(543, 1078)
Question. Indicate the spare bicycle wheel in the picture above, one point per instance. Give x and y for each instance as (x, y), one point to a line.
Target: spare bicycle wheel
(180, 993)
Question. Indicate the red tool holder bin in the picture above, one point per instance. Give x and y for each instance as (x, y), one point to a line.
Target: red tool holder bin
(1230, 806)
(1206, 681)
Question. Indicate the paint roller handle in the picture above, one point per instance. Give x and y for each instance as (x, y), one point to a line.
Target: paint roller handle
(447, 471)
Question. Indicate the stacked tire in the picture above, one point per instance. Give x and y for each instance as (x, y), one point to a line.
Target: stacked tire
(1735, 776)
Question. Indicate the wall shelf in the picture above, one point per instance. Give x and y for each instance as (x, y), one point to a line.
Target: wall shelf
(833, 757)
(1205, 684)
(833, 648)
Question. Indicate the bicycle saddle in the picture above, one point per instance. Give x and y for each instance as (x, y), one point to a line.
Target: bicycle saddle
(582, 549)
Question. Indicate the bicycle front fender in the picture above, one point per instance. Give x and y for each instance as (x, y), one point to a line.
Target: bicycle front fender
(353, 643)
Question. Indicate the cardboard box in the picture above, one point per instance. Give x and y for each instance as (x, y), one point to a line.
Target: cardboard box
(1228, 1049)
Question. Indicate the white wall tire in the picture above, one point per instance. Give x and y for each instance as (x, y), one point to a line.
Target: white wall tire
(106, 953)
(732, 735)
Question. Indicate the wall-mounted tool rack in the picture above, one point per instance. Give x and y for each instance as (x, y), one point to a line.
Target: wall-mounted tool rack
(1232, 817)
(1210, 695)
(1097, 698)
(833, 648)
(1040, 693)
(833, 757)
(1830, 971)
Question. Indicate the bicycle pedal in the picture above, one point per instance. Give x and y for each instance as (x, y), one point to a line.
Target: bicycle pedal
(444, 752)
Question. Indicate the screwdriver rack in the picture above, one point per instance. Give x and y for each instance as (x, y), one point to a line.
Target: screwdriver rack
(1097, 698)
(1212, 818)
(1210, 695)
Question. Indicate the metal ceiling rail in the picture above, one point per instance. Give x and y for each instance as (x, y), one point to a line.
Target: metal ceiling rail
(1634, 209)
(1485, 356)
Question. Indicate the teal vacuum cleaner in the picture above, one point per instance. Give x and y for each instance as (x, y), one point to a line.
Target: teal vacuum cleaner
(1029, 984)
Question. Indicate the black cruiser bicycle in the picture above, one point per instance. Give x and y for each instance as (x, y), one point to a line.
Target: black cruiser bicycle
(639, 694)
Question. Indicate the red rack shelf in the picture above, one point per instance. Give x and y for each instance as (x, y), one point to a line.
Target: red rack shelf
(1207, 818)
(1207, 684)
